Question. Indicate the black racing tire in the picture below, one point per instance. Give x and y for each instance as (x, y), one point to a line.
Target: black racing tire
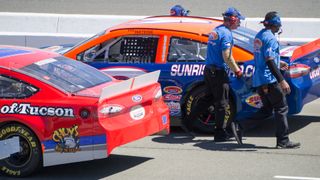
(198, 111)
(29, 159)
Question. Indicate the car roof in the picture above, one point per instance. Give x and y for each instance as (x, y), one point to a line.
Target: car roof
(191, 24)
(17, 57)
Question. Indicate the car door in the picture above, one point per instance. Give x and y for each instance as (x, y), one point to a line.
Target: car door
(184, 67)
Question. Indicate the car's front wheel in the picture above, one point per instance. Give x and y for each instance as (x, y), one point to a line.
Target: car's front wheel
(198, 111)
(28, 159)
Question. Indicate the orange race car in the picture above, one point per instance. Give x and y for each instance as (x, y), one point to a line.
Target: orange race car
(177, 46)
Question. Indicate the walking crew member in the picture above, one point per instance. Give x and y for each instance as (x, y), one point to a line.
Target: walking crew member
(219, 58)
(268, 79)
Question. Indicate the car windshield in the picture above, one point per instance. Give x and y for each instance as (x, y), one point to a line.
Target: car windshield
(84, 41)
(243, 37)
(65, 74)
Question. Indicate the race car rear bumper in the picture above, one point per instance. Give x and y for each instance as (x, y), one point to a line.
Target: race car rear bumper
(122, 131)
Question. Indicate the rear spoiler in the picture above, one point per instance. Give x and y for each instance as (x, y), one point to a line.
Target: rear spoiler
(305, 49)
(129, 85)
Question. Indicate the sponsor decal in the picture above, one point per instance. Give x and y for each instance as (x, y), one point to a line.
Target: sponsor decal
(136, 98)
(18, 130)
(247, 71)
(171, 97)
(189, 104)
(174, 107)
(67, 138)
(10, 171)
(197, 70)
(213, 35)
(137, 112)
(254, 101)
(315, 73)
(27, 109)
(257, 44)
(187, 69)
(172, 90)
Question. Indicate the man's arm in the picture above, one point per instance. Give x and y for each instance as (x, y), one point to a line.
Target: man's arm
(229, 60)
(277, 74)
(274, 69)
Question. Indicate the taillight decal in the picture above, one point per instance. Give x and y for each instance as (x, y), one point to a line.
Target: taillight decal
(111, 109)
(297, 70)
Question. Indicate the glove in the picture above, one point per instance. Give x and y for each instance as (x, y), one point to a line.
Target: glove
(239, 74)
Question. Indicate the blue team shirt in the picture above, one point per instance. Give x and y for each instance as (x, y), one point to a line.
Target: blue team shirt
(220, 39)
(265, 45)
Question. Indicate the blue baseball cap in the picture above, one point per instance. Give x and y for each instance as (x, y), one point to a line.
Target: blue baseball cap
(231, 11)
(272, 18)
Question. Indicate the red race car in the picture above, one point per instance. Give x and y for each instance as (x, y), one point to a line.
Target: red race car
(55, 110)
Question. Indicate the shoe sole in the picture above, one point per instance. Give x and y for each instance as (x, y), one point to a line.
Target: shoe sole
(280, 147)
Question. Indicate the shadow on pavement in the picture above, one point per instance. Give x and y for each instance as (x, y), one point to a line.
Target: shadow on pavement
(263, 129)
(178, 136)
(96, 169)
(230, 146)
(267, 128)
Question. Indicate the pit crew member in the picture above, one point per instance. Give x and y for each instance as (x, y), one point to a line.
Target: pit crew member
(271, 85)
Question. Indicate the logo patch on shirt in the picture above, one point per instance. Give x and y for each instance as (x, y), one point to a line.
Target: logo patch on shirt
(257, 45)
(213, 35)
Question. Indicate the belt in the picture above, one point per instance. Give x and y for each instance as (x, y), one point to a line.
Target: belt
(214, 67)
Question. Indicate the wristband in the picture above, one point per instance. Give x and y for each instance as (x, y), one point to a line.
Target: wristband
(238, 73)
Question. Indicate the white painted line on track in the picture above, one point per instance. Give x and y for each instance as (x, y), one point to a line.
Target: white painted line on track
(296, 177)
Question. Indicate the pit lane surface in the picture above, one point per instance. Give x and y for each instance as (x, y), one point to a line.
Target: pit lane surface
(178, 156)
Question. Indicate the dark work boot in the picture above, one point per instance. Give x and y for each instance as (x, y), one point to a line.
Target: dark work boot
(220, 135)
(288, 145)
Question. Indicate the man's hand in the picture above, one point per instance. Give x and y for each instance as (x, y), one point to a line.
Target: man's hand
(285, 87)
(238, 74)
(283, 66)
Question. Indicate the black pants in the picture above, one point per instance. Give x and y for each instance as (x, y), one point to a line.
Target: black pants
(274, 99)
(217, 83)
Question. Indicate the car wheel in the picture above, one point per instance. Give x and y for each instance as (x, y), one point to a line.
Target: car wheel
(29, 159)
(199, 113)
